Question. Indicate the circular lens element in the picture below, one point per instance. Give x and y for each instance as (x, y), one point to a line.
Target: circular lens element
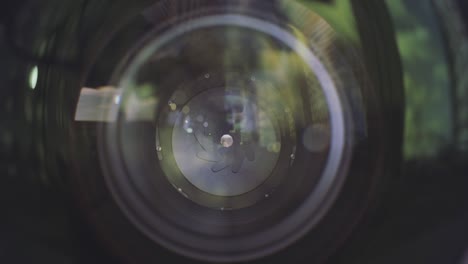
(224, 144)
(231, 137)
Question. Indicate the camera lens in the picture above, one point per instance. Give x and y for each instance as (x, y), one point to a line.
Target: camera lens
(249, 135)
(240, 131)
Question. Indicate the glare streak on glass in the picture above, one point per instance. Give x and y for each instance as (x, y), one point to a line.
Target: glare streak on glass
(94, 104)
(33, 76)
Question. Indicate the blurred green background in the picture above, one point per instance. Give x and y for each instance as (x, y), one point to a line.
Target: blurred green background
(432, 121)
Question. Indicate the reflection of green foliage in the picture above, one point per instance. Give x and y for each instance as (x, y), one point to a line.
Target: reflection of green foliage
(426, 79)
(427, 118)
(339, 15)
(145, 91)
(140, 101)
